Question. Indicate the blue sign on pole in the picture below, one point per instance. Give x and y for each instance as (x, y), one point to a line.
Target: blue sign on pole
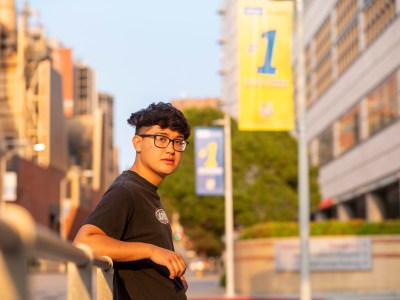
(209, 159)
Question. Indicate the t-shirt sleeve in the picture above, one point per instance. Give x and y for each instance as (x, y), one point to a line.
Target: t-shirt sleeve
(113, 212)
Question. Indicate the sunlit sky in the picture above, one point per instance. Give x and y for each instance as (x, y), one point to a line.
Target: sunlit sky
(142, 51)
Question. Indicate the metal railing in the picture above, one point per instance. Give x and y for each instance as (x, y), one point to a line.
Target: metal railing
(21, 238)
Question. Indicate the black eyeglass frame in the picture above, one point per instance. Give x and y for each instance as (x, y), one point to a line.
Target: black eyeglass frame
(154, 136)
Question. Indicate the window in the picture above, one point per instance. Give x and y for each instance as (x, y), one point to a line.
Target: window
(323, 57)
(309, 74)
(323, 40)
(326, 146)
(347, 48)
(382, 106)
(377, 15)
(323, 75)
(346, 13)
(349, 126)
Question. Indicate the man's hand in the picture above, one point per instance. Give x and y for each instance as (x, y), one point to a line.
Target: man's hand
(171, 260)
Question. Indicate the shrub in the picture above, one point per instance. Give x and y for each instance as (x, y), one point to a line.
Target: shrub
(331, 227)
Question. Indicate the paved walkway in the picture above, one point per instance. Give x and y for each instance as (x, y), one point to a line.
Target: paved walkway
(53, 286)
(204, 287)
(48, 286)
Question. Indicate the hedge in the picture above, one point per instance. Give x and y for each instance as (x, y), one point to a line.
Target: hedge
(331, 227)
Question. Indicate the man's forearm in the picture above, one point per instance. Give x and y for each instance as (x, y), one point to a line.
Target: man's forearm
(117, 250)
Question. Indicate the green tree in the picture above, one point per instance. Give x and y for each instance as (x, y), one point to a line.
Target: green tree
(264, 184)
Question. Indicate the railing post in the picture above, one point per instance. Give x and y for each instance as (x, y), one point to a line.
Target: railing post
(104, 284)
(21, 238)
(17, 231)
(80, 278)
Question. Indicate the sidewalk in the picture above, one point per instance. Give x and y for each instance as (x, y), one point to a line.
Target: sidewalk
(207, 287)
(45, 286)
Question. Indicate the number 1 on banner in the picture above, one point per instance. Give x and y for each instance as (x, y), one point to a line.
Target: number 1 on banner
(267, 68)
(211, 161)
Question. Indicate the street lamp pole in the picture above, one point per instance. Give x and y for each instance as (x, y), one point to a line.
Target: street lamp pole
(303, 170)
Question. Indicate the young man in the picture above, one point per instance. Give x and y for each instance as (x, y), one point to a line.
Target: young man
(130, 224)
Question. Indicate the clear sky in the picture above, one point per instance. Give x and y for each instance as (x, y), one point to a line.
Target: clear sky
(143, 51)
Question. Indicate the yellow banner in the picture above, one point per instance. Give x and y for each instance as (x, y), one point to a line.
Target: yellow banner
(265, 70)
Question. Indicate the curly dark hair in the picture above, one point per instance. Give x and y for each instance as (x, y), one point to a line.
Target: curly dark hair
(162, 114)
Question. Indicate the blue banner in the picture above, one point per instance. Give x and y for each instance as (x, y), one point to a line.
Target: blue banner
(209, 159)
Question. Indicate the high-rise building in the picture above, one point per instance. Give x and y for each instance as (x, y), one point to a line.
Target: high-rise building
(109, 165)
(352, 76)
(91, 144)
(62, 63)
(92, 159)
(30, 92)
(47, 102)
(8, 66)
(31, 117)
(229, 70)
(352, 55)
(85, 94)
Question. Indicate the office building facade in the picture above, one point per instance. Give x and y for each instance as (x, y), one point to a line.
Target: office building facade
(352, 75)
(352, 87)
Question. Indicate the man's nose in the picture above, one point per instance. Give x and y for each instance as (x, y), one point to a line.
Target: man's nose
(170, 147)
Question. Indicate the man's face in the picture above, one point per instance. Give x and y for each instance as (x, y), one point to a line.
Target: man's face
(155, 161)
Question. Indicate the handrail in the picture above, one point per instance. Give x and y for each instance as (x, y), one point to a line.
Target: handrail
(8, 237)
(20, 234)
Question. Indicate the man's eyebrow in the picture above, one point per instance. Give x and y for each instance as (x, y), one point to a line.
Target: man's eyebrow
(180, 136)
(160, 133)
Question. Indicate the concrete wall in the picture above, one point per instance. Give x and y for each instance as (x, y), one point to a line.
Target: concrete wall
(255, 270)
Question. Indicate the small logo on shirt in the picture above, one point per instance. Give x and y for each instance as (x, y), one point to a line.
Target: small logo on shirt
(162, 216)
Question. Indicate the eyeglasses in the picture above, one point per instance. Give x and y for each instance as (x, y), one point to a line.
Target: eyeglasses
(162, 141)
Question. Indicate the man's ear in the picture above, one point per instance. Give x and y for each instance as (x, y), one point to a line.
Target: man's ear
(137, 143)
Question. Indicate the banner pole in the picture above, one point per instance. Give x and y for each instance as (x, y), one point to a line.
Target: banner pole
(229, 238)
(303, 169)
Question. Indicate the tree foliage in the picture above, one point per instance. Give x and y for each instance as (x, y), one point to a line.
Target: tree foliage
(264, 166)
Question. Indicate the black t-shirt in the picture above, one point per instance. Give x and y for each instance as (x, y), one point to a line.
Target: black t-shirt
(131, 211)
